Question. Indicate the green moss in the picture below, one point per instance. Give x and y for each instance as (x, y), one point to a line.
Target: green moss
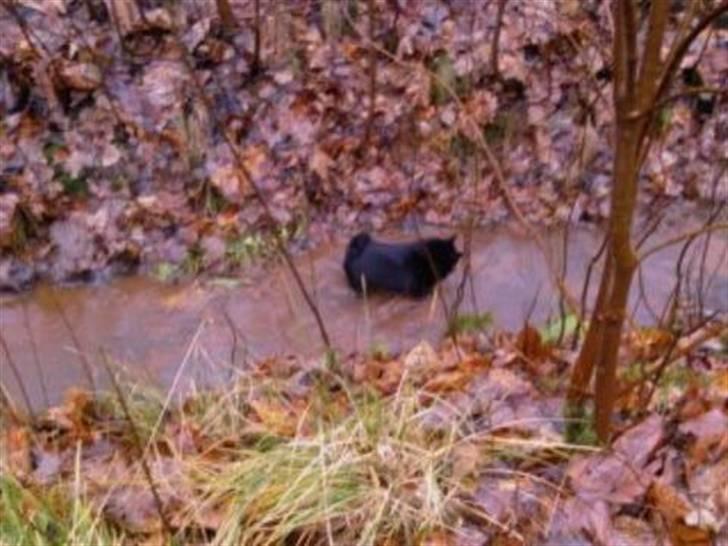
(580, 426)
(469, 323)
(551, 332)
(76, 186)
(165, 271)
(192, 264)
(444, 80)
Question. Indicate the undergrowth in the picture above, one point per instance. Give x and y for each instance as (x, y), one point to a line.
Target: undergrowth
(345, 467)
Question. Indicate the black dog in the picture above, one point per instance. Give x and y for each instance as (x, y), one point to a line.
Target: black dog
(410, 269)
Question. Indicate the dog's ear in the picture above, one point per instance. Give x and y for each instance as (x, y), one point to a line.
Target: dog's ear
(451, 240)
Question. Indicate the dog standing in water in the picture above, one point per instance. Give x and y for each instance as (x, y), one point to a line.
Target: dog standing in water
(409, 269)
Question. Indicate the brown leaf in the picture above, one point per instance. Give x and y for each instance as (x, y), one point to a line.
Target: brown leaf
(255, 158)
(710, 430)
(449, 381)
(530, 344)
(320, 163)
(158, 19)
(126, 15)
(79, 76)
(158, 538)
(8, 206)
(390, 375)
(16, 449)
(230, 182)
(649, 343)
(624, 475)
(438, 538)
(276, 417)
(455, 378)
(675, 508)
(630, 530)
(74, 415)
(719, 384)
(577, 516)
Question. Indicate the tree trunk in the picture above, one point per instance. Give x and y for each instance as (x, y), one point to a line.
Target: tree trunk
(227, 19)
(640, 84)
(601, 346)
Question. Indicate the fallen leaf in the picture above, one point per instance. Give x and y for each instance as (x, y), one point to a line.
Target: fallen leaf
(320, 163)
(16, 449)
(230, 182)
(79, 76)
(623, 475)
(530, 344)
(275, 416)
(709, 430)
(675, 509)
(438, 538)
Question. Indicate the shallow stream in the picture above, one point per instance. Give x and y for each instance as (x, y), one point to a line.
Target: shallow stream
(161, 331)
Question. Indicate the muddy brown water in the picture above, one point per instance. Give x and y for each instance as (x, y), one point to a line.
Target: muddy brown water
(171, 334)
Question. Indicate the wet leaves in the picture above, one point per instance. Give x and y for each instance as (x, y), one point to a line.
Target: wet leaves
(621, 476)
(498, 433)
(79, 76)
(126, 107)
(109, 150)
(16, 447)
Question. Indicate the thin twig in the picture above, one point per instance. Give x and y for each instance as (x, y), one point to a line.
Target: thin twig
(564, 274)
(680, 238)
(248, 177)
(585, 290)
(235, 334)
(643, 297)
(499, 175)
(85, 363)
(18, 377)
(680, 48)
(6, 402)
(28, 33)
(36, 359)
(467, 272)
(372, 76)
(649, 230)
(707, 240)
(494, 48)
(137, 441)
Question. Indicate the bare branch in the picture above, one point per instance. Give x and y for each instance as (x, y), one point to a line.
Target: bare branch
(682, 237)
(501, 183)
(679, 49)
(651, 63)
(36, 359)
(85, 363)
(137, 441)
(18, 377)
(240, 165)
(494, 48)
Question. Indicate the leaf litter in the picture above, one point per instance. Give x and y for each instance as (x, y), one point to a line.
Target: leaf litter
(108, 160)
(463, 445)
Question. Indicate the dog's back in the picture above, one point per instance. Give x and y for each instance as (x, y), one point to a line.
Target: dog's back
(410, 269)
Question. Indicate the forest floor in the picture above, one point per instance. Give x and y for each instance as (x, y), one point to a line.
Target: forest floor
(115, 147)
(460, 446)
(124, 138)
